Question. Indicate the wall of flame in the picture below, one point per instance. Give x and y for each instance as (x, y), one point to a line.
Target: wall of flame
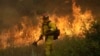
(27, 33)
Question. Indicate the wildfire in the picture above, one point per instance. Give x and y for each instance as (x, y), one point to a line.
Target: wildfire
(19, 36)
(28, 33)
(82, 22)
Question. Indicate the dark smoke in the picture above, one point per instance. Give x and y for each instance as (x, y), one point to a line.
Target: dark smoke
(11, 11)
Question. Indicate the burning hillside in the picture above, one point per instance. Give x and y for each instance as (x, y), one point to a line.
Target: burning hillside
(27, 33)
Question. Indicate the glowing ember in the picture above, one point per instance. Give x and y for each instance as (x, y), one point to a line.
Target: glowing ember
(28, 33)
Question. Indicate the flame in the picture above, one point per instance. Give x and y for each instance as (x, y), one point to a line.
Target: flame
(82, 22)
(63, 24)
(27, 33)
(19, 36)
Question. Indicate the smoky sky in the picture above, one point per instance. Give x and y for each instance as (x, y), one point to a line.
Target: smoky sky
(12, 10)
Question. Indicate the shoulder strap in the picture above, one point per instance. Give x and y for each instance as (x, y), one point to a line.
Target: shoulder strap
(48, 23)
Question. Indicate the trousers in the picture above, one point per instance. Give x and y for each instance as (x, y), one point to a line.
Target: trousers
(48, 45)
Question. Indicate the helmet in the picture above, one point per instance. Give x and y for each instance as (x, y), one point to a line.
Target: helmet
(45, 17)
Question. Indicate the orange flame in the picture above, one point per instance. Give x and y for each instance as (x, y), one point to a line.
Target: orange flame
(15, 36)
(82, 22)
(27, 33)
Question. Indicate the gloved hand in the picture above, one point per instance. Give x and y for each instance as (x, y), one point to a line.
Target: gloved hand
(49, 32)
(34, 43)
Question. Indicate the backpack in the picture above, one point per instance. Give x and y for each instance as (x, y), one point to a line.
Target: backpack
(56, 33)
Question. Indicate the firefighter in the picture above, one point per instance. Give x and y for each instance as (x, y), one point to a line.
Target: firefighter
(50, 32)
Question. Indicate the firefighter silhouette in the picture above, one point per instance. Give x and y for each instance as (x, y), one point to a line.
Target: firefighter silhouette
(50, 31)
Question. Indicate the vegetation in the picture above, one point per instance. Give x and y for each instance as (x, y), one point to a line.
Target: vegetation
(89, 46)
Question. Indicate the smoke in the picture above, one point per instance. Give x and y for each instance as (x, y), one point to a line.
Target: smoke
(21, 21)
(11, 11)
